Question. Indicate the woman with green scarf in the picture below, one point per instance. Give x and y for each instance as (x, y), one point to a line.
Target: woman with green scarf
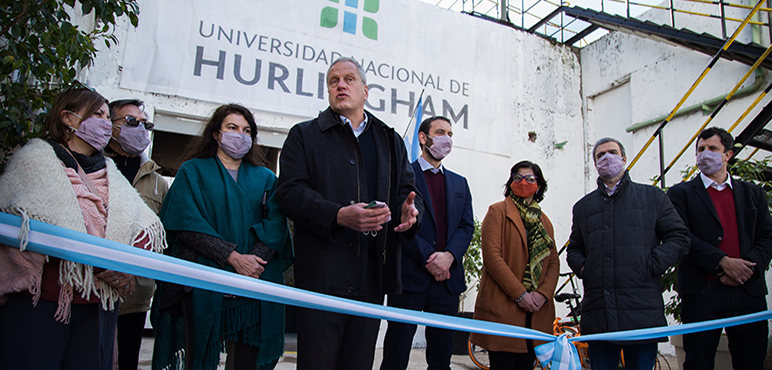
(221, 211)
(520, 268)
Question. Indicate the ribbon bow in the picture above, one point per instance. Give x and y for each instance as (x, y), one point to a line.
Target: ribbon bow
(561, 353)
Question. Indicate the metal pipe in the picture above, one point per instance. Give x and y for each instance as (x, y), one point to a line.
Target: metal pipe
(719, 107)
(701, 105)
(504, 11)
(690, 12)
(756, 34)
(723, 18)
(672, 13)
(661, 161)
(627, 6)
(731, 5)
(697, 82)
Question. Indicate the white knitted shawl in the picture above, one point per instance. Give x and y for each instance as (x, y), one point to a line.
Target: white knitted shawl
(35, 186)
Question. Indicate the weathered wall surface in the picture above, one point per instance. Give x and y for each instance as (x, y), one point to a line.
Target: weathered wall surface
(526, 97)
(655, 76)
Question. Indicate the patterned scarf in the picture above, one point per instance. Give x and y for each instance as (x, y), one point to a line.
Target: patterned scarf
(539, 242)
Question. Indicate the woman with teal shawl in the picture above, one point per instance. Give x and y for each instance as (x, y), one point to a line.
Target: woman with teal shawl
(221, 212)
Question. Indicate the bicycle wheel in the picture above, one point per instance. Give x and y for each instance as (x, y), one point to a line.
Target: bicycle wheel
(478, 355)
(661, 363)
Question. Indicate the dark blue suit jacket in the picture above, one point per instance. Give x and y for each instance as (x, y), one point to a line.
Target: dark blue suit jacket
(415, 277)
(754, 226)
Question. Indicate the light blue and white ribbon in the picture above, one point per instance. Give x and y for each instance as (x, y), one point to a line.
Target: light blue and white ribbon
(87, 249)
(561, 353)
(91, 250)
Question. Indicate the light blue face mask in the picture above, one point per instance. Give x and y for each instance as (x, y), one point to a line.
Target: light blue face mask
(235, 145)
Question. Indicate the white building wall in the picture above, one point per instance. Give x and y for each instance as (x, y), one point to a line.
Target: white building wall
(657, 75)
(621, 80)
(539, 105)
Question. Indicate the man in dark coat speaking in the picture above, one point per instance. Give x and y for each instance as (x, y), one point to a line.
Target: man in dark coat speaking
(346, 182)
(624, 236)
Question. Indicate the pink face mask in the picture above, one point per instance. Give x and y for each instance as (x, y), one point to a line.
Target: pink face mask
(709, 162)
(95, 131)
(134, 139)
(440, 146)
(609, 166)
(235, 145)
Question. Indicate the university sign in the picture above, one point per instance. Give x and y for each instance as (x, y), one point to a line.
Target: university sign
(330, 16)
(273, 55)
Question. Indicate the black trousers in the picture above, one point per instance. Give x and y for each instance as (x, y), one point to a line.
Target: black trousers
(130, 327)
(334, 341)
(399, 336)
(747, 343)
(30, 337)
(514, 361)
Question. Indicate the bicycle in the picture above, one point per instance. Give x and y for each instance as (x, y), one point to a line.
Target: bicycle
(569, 325)
(478, 355)
(572, 328)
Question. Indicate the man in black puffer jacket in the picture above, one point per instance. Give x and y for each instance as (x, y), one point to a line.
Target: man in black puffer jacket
(623, 238)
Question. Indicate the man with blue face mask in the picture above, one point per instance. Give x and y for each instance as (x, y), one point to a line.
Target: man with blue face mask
(723, 274)
(624, 236)
(130, 138)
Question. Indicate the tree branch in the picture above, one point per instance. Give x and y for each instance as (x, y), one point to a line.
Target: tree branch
(19, 17)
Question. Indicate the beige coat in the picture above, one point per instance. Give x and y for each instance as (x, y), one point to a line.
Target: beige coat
(152, 188)
(505, 255)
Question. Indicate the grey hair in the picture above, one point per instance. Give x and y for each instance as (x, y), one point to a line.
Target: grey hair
(606, 140)
(354, 61)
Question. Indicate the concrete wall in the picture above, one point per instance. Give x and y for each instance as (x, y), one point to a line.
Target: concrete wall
(650, 77)
(549, 97)
(540, 105)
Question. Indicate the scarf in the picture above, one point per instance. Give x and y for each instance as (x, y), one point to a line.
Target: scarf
(36, 186)
(539, 241)
(205, 198)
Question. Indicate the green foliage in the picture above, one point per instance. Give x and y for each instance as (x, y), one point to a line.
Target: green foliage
(753, 171)
(473, 257)
(473, 262)
(40, 54)
(748, 170)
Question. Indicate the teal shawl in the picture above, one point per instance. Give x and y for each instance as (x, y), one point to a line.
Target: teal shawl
(205, 198)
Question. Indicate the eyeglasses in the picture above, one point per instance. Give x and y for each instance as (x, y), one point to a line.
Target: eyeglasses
(134, 122)
(531, 179)
(76, 85)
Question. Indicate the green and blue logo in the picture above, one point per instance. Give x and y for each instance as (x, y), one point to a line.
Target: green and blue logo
(330, 15)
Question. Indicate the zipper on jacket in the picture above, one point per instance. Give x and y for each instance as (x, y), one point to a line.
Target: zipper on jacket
(359, 193)
(388, 194)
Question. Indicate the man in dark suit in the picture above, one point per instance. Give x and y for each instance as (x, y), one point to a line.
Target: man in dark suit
(347, 184)
(432, 263)
(723, 274)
